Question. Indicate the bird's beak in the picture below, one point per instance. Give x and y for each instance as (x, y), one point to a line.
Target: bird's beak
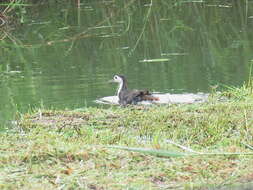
(111, 81)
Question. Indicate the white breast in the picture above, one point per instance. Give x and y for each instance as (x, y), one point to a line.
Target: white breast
(120, 88)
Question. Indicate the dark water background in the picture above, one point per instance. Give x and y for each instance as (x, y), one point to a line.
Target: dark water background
(63, 53)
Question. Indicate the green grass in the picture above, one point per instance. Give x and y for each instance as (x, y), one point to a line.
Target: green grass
(87, 149)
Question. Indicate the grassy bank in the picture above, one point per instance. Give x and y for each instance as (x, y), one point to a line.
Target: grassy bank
(70, 149)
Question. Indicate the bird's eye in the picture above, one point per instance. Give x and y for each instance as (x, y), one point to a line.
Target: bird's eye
(115, 77)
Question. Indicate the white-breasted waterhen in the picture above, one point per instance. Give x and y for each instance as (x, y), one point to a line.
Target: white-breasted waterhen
(127, 96)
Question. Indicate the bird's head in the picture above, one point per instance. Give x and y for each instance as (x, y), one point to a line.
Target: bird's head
(118, 78)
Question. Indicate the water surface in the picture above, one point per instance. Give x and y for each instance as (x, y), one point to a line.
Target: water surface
(63, 54)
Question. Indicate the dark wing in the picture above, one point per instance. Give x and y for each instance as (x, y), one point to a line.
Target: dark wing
(135, 96)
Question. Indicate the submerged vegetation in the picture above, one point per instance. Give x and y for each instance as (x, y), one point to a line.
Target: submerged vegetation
(86, 148)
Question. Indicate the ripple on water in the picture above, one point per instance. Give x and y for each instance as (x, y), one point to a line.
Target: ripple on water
(167, 98)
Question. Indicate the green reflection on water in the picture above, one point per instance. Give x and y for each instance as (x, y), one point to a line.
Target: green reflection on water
(65, 55)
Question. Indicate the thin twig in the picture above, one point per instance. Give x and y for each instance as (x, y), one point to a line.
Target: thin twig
(10, 37)
(3, 37)
(248, 146)
(69, 49)
(3, 22)
(7, 9)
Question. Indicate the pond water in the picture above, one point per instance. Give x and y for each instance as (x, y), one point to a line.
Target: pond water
(63, 53)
